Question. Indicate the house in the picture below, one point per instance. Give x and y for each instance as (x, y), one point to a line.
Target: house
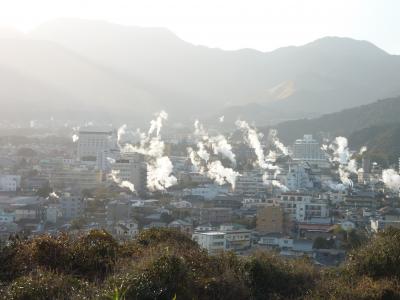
(276, 241)
(182, 226)
(126, 229)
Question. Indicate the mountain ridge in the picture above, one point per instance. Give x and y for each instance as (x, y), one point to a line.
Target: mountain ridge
(154, 66)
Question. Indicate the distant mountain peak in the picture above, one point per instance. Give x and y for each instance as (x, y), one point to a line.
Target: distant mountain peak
(345, 44)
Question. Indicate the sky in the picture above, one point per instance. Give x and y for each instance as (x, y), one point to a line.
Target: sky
(228, 24)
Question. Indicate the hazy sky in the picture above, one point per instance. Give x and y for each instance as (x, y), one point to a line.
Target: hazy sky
(228, 24)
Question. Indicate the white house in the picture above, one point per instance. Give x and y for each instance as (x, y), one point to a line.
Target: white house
(212, 241)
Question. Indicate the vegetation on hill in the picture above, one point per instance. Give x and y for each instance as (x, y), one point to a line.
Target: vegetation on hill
(383, 142)
(346, 122)
(165, 264)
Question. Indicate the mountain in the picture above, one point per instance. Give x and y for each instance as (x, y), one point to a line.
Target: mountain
(382, 142)
(42, 78)
(345, 122)
(130, 72)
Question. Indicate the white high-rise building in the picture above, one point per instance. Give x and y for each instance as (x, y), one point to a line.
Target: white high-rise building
(308, 149)
(92, 144)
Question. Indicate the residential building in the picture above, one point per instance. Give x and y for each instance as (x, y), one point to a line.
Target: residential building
(10, 183)
(213, 241)
(72, 207)
(133, 168)
(126, 229)
(215, 215)
(270, 219)
(301, 207)
(250, 185)
(182, 226)
(79, 178)
(237, 237)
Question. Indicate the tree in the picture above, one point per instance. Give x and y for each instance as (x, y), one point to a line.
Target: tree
(322, 243)
(44, 191)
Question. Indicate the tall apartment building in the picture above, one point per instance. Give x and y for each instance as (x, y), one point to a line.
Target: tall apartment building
(308, 149)
(133, 168)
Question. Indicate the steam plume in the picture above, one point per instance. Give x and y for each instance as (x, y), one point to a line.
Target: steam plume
(391, 179)
(122, 183)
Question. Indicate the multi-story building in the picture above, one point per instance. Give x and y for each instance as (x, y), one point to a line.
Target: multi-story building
(270, 219)
(72, 207)
(92, 143)
(250, 185)
(79, 178)
(308, 149)
(213, 241)
(133, 168)
(237, 237)
(10, 183)
(301, 207)
(215, 215)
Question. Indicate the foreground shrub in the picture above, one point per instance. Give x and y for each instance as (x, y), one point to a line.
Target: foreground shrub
(360, 288)
(46, 285)
(161, 278)
(271, 277)
(93, 255)
(379, 258)
(224, 278)
(155, 236)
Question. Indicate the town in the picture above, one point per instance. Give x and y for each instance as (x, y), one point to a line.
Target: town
(242, 193)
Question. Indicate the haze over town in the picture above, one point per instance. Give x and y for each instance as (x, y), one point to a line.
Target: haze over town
(199, 150)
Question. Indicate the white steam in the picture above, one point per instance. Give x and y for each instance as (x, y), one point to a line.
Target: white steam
(120, 182)
(121, 131)
(159, 167)
(266, 163)
(340, 154)
(391, 179)
(205, 164)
